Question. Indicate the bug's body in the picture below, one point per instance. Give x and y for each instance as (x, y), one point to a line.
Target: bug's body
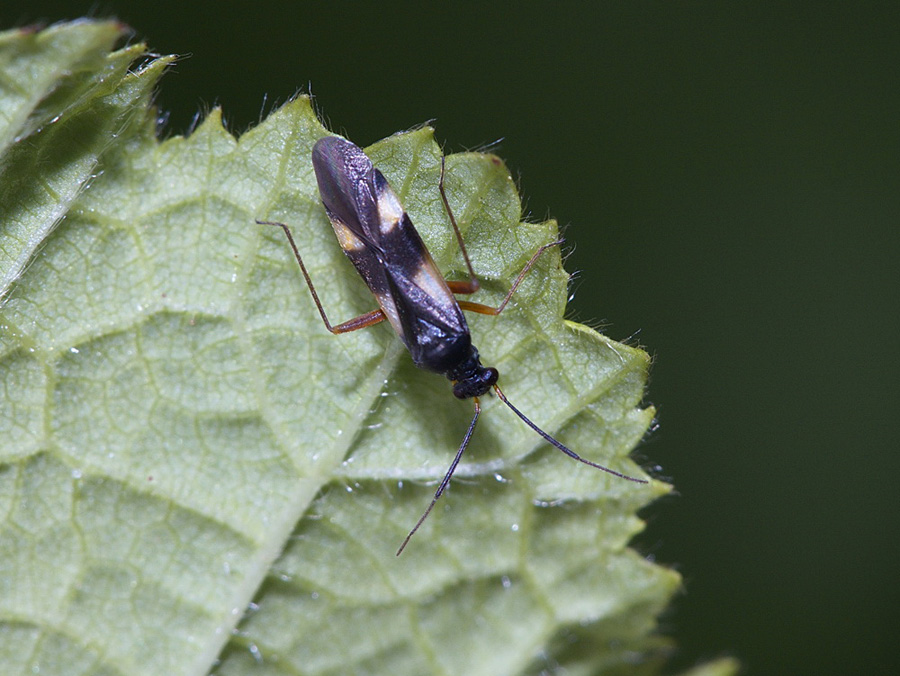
(378, 237)
(387, 251)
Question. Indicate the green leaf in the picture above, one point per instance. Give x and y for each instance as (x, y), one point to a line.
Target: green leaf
(63, 101)
(184, 441)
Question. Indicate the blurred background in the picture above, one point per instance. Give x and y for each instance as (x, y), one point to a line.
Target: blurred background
(729, 175)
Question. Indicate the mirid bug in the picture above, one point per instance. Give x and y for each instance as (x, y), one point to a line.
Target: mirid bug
(378, 237)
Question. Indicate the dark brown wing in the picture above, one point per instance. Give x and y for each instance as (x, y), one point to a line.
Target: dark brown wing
(387, 251)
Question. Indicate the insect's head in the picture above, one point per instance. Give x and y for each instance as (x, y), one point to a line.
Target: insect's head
(476, 383)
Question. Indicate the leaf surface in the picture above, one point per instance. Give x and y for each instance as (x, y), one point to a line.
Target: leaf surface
(196, 476)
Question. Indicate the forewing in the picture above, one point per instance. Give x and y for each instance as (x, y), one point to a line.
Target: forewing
(429, 318)
(347, 188)
(377, 235)
(431, 321)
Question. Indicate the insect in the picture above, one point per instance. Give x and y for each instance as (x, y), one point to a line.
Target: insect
(378, 237)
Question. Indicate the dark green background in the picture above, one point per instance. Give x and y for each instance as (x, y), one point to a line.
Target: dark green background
(730, 176)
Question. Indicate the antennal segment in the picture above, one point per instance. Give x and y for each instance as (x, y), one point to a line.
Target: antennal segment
(564, 449)
(446, 481)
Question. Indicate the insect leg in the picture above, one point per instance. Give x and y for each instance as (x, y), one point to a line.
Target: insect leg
(460, 287)
(446, 481)
(361, 322)
(472, 285)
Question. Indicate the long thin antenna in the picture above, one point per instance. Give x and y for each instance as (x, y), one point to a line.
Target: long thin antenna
(446, 481)
(564, 449)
